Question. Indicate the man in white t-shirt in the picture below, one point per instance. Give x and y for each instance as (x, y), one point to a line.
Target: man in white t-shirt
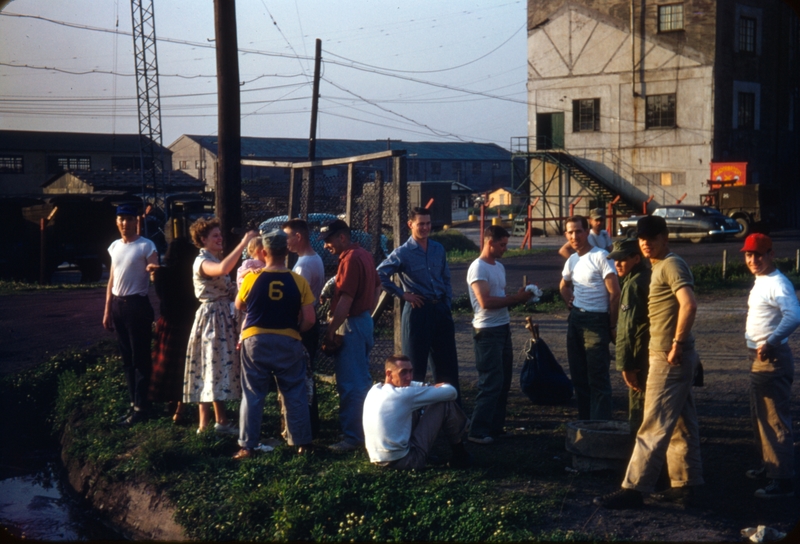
(402, 419)
(598, 236)
(128, 309)
(590, 288)
(494, 355)
(773, 314)
(309, 265)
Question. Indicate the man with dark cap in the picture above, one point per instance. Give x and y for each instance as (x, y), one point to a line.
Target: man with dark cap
(773, 314)
(357, 290)
(279, 306)
(128, 310)
(669, 431)
(633, 326)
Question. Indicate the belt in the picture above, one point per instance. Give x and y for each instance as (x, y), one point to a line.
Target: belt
(129, 298)
(586, 311)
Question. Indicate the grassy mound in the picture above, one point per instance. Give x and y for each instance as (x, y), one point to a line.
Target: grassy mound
(280, 495)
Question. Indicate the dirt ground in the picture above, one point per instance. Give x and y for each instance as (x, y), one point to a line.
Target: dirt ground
(34, 325)
(725, 504)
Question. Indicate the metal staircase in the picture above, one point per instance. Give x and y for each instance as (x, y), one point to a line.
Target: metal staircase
(595, 184)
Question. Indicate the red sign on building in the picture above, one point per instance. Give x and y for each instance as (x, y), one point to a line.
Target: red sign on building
(725, 174)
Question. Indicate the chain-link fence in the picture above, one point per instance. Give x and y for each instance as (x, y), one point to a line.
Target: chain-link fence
(361, 193)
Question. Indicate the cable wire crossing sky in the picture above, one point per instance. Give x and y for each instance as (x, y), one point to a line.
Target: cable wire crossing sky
(450, 70)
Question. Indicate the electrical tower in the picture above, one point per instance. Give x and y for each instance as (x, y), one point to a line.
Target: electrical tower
(147, 96)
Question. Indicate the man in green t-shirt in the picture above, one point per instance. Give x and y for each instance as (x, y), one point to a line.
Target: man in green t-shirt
(669, 431)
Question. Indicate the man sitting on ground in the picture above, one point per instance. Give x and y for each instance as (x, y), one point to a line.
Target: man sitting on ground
(403, 418)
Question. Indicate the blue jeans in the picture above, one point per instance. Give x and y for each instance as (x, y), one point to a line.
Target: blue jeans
(352, 375)
(494, 359)
(429, 336)
(265, 356)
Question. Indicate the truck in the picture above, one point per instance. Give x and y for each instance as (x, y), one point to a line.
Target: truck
(749, 205)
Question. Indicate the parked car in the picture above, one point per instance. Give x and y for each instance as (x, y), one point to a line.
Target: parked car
(695, 223)
(317, 220)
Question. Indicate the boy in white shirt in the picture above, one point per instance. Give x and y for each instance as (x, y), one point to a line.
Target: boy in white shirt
(773, 314)
(402, 419)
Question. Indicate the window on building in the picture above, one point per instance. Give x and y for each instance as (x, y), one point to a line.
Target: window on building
(586, 115)
(660, 111)
(183, 165)
(670, 17)
(747, 34)
(747, 110)
(11, 164)
(476, 169)
(199, 164)
(125, 163)
(69, 163)
(436, 168)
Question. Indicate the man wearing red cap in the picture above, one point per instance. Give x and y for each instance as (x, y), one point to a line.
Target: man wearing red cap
(773, 314)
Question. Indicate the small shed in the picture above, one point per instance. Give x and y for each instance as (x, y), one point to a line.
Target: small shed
(505, 196)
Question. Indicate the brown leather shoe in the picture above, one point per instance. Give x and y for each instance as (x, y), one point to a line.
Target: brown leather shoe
(244, 453)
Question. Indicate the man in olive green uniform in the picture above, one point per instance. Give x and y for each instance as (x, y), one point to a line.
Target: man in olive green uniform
(633, 326)
(669, 432)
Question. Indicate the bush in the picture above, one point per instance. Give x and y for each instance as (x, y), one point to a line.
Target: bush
(454, 240)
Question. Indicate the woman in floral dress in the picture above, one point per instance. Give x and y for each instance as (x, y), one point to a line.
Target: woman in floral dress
(212, 362)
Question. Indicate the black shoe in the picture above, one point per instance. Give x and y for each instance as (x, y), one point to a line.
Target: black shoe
(137, 416)
(777, 488)
(620, 500)
(677, 495)
(756, 473)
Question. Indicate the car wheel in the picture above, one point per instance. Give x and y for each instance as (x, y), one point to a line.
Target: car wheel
(745, 224)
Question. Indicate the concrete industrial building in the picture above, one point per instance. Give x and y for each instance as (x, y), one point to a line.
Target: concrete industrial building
(634, 99)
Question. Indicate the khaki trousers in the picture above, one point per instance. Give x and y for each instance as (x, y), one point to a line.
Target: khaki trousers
(771, 410)
(669, 430)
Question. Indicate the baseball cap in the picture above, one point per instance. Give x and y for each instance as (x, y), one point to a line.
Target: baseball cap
(334, 227)
(274, 239)
(126, 209)
(651, 226)
(757, 243)
(597, 213)
(624, 249)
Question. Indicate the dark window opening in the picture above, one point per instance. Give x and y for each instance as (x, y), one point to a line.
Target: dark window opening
(747, 35)
(747, 110)
(660, 111)
(11, 164)
(586, 115)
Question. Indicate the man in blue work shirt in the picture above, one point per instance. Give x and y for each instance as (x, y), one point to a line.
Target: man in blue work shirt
(428, 329)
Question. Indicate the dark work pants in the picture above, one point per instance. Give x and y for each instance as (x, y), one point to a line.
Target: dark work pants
(133, 321)
(310, 340)
(494, 359)
(588, 336)
(429, 336)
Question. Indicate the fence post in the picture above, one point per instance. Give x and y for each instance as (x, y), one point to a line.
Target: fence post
(348, 205)
(399, 232)
(797, 261)
(724, 263)
(42, 251)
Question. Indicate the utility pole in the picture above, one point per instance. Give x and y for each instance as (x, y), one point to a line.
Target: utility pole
(308, 173)
(228, 194)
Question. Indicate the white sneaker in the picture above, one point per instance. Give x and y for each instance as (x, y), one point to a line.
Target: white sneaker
(226, 429)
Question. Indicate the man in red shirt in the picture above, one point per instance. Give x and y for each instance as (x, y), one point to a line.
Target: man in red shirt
(357, 289)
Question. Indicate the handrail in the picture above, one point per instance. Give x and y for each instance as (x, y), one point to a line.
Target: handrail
(623, 174)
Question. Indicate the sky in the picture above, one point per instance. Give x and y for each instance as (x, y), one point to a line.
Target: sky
(416, 70)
